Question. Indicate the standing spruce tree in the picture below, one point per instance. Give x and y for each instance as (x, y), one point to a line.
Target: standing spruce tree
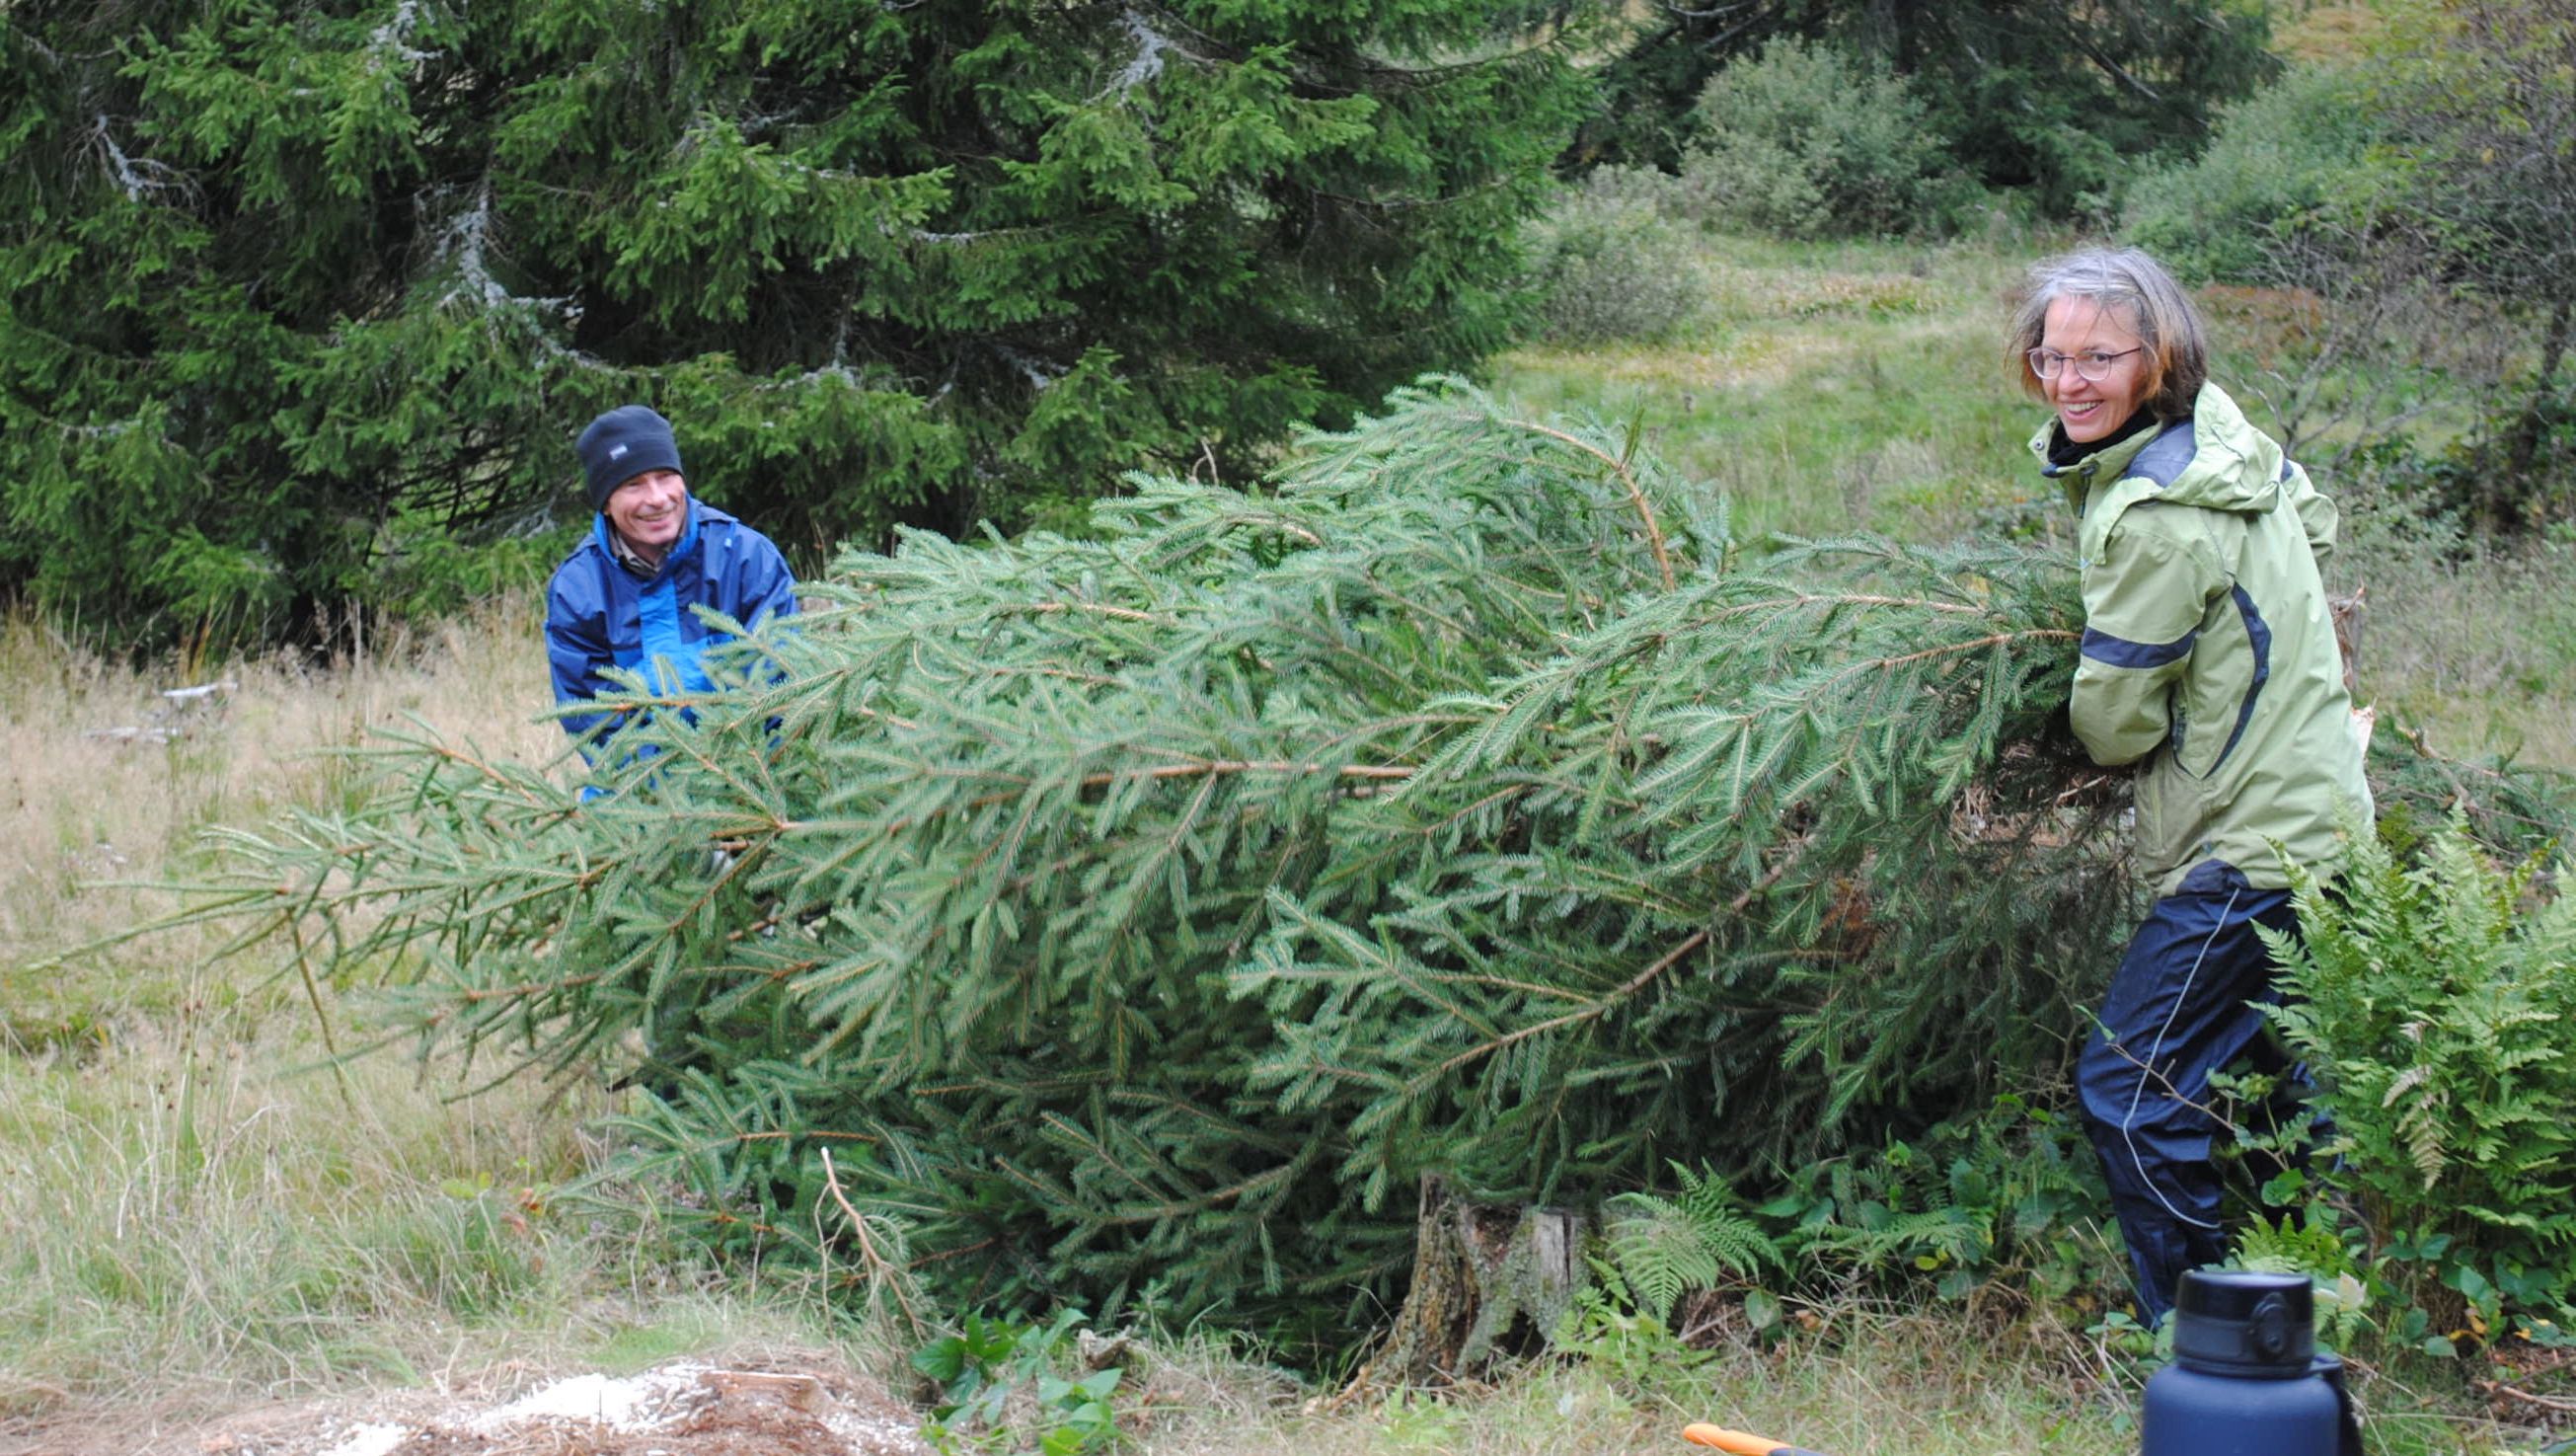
(1153, 914)
(298, 295)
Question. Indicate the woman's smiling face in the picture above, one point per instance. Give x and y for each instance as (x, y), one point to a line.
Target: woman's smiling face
(2090, 409)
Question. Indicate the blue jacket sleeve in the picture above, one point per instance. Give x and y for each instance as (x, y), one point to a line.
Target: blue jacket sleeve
(577, 648)
(768, 587)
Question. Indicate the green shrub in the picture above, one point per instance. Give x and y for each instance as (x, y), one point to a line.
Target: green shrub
(2283, 161)
(1805, 141)
(998, 1379)
(2057, 103)
(2007, 1195)
(2473, 484)
(2436, 1005)
(1609, 267)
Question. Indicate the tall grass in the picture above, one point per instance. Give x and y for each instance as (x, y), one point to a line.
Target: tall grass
(196, 1203)
(192, 1205)
(94, 797)
(1825, 388)
(2471, 642)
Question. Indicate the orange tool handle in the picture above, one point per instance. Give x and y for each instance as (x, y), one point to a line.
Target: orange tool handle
(1739, 1443)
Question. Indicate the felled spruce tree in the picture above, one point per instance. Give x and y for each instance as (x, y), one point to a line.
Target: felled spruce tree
(300, 304)
(1149, 915)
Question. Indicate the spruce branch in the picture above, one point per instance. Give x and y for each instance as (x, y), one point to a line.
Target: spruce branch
(1618, 465)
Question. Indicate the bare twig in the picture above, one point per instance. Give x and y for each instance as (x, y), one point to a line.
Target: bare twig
(1237, 766)
(1124, 614)
(2545, 1402)
(881, 1271)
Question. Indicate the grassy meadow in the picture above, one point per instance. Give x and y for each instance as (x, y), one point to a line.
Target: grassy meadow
(205, 1211)
(1835, 387)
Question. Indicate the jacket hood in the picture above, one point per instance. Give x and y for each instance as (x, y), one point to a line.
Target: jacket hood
(2215, 460)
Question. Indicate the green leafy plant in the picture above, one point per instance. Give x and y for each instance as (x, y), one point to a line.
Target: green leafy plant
(1000, 1389)
(1608, 1326)
(2316, 1242)
(2008, 1195)
(1664, 1248)
(2435, 1001)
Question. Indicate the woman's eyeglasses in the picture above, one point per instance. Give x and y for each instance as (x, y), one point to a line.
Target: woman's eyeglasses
(2093, 365)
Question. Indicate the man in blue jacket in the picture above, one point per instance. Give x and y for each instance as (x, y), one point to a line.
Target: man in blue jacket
(623, 598)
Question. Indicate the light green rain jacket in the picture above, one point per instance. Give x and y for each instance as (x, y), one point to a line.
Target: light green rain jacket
(2208, 655)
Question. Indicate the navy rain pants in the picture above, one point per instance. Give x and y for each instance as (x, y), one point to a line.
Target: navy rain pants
(2178, 1010)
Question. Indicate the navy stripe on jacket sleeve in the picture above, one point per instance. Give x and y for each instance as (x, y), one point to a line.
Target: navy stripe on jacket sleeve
(2113, 651)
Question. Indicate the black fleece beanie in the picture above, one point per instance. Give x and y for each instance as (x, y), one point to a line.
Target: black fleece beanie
(623, 444)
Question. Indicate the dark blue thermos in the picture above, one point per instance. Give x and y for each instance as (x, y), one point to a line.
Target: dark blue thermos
(2246, 1378)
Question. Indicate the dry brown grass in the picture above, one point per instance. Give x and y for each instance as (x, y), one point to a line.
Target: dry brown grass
(2327, 33)
(84, 809)
(194, 1206)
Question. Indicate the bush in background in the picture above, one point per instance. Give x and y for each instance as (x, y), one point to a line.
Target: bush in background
(1805, 141)
(2059, 103)
(2471, 484)
(2444, 169)
(1609, 266)
(2292, 158)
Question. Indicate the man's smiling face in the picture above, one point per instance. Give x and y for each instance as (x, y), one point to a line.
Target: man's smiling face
(650, 511)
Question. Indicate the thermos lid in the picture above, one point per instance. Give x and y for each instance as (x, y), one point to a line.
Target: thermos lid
(2237, 1322)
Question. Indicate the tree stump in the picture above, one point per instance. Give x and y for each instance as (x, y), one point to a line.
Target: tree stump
(1487, 1279)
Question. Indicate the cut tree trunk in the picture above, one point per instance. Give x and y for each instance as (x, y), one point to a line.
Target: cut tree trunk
(1487, 1278)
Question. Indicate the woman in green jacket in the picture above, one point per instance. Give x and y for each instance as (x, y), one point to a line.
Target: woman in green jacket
(2209, 662)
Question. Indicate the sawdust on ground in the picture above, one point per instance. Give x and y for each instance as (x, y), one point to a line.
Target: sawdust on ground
(809, 1408)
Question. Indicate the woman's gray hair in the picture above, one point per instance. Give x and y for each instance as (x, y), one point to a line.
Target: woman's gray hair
(2124, 278)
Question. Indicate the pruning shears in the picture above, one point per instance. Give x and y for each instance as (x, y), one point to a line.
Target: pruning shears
(1739, 1443)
